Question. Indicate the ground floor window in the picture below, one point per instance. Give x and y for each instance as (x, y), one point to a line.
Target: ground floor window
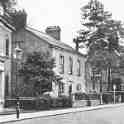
(6, 85)
(70, 89)
(78, 87)
(61, 88)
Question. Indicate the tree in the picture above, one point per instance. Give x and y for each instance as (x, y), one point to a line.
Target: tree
(100, 34)
(37, 71)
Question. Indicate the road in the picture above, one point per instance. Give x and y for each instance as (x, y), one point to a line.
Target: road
(104, 116)
(112, 115)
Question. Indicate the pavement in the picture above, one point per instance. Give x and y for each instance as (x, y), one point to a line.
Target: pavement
(103, 114)
(9, 111)
(6, 111)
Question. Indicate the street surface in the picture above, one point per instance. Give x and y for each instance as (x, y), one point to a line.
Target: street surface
(102, 116)
(112, 115)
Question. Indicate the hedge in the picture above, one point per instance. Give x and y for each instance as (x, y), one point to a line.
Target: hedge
(41, 103)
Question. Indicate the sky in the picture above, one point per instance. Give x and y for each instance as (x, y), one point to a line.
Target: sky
(65, 13)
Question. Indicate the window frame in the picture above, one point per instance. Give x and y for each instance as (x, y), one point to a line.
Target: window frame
(78, 67)
(7, 44)
(61, 63)
(61, 88)
(70, 65)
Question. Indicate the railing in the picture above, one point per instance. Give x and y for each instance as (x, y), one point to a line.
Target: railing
(90, 99)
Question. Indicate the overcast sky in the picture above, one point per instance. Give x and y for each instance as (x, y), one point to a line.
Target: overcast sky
(65, 13)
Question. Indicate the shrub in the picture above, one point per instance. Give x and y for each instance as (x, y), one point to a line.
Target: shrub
(61, 102)
(94, 96)
(107, 98)
(80, 96)
(43, 103)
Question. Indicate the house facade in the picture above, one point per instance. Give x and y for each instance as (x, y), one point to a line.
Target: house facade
(5, 59)
(70, 65)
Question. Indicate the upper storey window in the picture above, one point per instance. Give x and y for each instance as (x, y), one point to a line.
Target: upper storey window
(61, 63)
(78, 68)
(70, 65)
(7, 47)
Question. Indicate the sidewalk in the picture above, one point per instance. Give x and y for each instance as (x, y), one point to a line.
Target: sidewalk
(10, 111)
(7, 111)
(40, 114)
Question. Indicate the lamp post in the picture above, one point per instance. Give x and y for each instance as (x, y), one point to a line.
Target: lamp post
(114, 88)
(17, 56)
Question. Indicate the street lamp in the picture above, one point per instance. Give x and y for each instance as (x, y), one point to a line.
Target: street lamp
(114, 88)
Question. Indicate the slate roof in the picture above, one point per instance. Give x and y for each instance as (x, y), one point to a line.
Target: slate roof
(50, 40)
(6, 23)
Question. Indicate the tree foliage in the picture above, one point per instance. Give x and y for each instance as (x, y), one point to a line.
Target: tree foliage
(37, 71)
(100, 31)
(100, 34)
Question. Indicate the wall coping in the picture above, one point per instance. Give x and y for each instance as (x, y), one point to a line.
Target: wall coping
(31, 115)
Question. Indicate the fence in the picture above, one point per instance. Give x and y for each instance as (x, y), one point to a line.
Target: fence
(93, 99)
(39, 103)
(81, 100)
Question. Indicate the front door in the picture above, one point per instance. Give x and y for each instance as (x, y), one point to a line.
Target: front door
(1, 90)
(2, 86)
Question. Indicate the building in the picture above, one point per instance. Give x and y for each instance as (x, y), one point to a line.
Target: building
(5, 59)
(97, 81)
(70, 65)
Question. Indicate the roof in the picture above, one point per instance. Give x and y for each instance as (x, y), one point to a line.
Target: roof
(4, 20)
(6, 24)
(51, 40)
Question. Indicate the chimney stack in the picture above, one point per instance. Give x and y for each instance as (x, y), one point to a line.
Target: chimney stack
(54, 31)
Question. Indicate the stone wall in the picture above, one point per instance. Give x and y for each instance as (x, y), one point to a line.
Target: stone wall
(71, 79)
(84, 103)
(28, 42)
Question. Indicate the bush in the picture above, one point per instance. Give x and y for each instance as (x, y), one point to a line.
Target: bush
(80, 96)
(43, 103)
(107, 98)
(61, 102)
(94, 96)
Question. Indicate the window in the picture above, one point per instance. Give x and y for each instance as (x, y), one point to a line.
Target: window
(78, 68)
(78, 87)
(70, 90)
(93, 78)
(6, 85)
(70, 65)
(7, 47)
(61, 62)
(61, 88)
